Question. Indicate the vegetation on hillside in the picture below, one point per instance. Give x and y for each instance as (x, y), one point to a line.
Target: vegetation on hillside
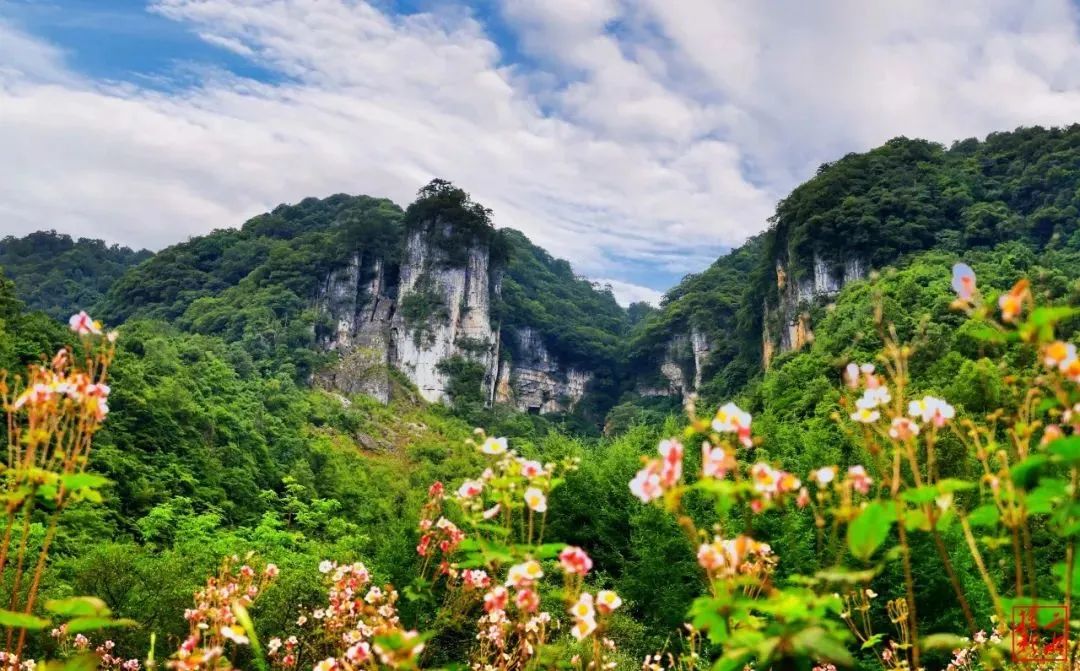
(59, 275)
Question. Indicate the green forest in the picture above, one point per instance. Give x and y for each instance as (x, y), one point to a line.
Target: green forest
(900, 492)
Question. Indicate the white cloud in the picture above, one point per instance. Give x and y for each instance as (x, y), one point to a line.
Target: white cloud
(627, 292)
(641, 129)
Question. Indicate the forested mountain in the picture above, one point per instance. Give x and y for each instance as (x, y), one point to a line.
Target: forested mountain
(59, 275)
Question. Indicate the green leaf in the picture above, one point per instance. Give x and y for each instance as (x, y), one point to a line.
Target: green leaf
(984, 516)
(948, 642)
(1026, 473)
(916, 520)
(872, 641)
(1066, 449)
(21, 620)
(869, 530)
(81, 624)
(819, 645)
(1047, 316)
(83, 480)
(78, 606)
(924, 494)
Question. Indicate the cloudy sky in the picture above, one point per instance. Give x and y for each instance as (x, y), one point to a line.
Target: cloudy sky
(637, 138)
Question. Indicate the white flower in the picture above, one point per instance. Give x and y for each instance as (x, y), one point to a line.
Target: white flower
(234, 634)
(535, 499)
(493, 446)
(325, 566)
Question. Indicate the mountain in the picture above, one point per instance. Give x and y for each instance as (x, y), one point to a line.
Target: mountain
(59, 275)
(718, 329)
(348, 290)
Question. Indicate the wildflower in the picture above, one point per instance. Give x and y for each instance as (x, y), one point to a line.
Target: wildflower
(931, 409)
(493, 446)
(870, 594)
(575, 561)
(235, 634)
(823, 476)
(81, 641)
(476, 579)
(301, 621)
(470, 488)
(527, 600)
(865, 416)
(804, 498)
(851, 375)
(646, 484)
(1013, 301)
(903, 429)
(671, 454)
(963, 281)
(522, 575)
(873, 398)
(273, 646)
(859, 479)
(495, 600)
(607, 601)
(82, 324)
(1059, 354)
(980, 637)
(358, 653)
(535, 499)
(583, 627)
(435, 491)
(583, 607)
(271, 571)
(715, 461)
(732, 419)
(531, 469)
(492, 511)
(328, 664)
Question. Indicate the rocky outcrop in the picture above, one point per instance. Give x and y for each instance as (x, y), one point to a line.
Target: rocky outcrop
(434, 309)
(787, 325)
(445, 312)
(535, 382)
(682, 365)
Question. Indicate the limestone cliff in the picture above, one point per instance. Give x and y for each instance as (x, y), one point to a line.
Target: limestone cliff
(436, 307)
(533, 381)
(787, 323)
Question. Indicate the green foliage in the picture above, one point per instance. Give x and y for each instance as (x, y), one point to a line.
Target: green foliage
(61, 276)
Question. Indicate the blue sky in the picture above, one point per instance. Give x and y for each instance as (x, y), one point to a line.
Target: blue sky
(637, 138)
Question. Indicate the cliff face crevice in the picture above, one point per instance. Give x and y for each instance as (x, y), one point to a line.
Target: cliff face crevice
(438, 308)
(787, 324)
(682, 365)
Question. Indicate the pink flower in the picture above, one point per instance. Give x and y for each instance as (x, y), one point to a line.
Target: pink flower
(435, 491)
(804, 498)
(903, 429)
(470, 488)
(82, 324)
(671, 456)
(271, 571)
(646, 484)
(963, 281)
(859, 479)
(715, 461)
(496, 599)
(575, 561)
(527, 600)
(476, 579)
(531, 469)
(358, 653)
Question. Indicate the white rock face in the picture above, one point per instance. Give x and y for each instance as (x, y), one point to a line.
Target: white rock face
(683, 364)
(536, 382)
(826, 280)
(371, 331)
(460, 326)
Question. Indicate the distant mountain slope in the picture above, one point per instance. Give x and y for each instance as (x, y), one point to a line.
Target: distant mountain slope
(426, 290)
(862, 212)
(59, 275)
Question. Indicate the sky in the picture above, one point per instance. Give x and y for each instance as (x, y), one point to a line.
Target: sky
(637, 138)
